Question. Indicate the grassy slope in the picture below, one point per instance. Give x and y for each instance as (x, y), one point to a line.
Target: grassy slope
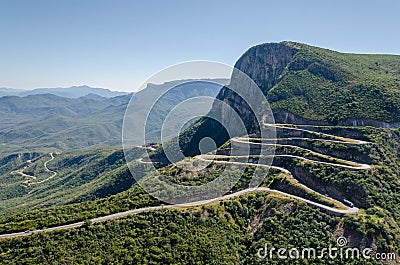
(321, 84)
(137, 239)
(81, 176)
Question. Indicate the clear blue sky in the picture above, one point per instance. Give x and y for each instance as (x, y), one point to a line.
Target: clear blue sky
(118, 44)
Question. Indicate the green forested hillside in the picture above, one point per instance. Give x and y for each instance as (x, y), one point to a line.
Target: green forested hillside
(47, 121)
(325, 85)
(52, 122)
(80, 176)
(231, 231)
(310, 85)
(228, 233)
(304, 84)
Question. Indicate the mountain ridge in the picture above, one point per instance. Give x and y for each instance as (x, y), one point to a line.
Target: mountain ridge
(310, 85)
(52, 121)
(68, 92)
(313, 84)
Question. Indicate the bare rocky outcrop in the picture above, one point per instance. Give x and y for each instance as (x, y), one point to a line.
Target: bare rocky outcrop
(264, 64)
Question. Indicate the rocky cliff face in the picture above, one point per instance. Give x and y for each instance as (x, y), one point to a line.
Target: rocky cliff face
(308, 85)
(311, 85)
(264, 64)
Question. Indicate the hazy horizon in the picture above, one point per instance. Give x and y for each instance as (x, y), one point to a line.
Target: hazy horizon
(112, 90)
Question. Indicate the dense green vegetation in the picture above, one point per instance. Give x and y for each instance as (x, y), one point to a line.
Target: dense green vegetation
(230, 232)
(247, 222)
(81, 176)
(317, 85)
(320, 84)
(85, 207)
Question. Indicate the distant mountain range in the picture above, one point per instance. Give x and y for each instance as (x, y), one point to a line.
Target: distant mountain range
(51, 121)
(303, 84)
(67, 92)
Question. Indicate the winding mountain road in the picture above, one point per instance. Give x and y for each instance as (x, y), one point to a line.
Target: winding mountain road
(177, 206)
(48, 170)
(28, 182)
(347, 164)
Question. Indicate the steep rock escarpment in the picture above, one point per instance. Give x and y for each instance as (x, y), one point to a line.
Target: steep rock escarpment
(264, 64)
(308, 85)
(311, 85)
